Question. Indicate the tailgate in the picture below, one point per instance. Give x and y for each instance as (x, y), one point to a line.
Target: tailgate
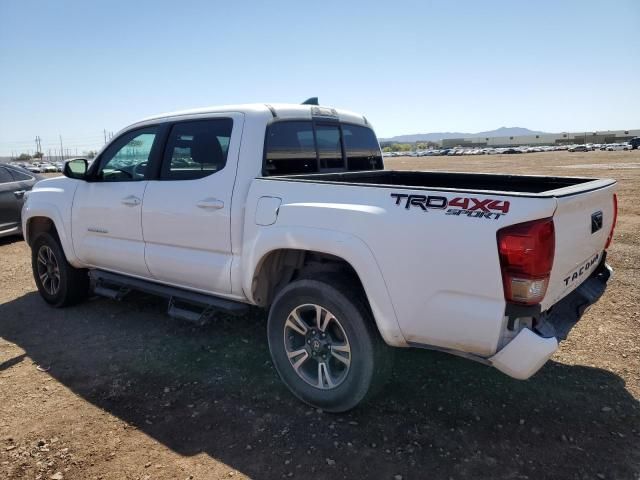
(582, 222)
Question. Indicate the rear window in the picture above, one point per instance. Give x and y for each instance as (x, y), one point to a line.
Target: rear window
(5, 176)
(329, 147)
(296, 147)
(363, 152)
(290, 148)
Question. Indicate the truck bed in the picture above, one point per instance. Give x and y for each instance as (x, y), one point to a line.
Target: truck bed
(519, 185)
(415, 242)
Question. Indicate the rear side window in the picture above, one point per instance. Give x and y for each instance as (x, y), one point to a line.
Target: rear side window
(196, 149)
(299, 147)
(361, 144)
(290, 148)
(5, 176)
(19, 176)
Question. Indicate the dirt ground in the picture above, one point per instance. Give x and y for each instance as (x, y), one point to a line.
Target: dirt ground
(118, 390)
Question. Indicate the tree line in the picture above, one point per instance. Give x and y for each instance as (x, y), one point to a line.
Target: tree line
(408, 147)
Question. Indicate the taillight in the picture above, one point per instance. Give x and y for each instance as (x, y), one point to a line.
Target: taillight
(615, 220)
(526, 257)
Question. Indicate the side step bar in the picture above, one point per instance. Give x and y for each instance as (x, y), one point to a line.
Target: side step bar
(112, 293)
(184, 304)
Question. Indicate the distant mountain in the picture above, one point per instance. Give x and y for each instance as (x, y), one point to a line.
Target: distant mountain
(436, 136)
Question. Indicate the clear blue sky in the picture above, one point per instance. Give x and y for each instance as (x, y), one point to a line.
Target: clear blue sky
(77, 67)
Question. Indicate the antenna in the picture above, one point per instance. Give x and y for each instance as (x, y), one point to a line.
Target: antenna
(311, 101)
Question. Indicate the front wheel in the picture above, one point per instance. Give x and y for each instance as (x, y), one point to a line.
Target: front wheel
(324, 344)
(58, 282)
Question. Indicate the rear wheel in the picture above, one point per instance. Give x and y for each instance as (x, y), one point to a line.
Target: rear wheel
(58, 282)
(324, 344)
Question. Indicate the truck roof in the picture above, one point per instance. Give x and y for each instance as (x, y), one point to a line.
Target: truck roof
(275, 110)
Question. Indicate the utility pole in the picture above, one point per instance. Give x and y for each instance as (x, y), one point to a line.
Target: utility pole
(38, 144)
(61, 149)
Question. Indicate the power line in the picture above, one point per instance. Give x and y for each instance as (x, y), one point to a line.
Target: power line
(85, 142)
(93, 137)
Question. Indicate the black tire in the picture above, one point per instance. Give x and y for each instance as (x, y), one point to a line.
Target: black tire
(370, 357)
(72, 283)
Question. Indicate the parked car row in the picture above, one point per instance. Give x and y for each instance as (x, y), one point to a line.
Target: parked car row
(616, 146)
(40, 167)
(511, 150)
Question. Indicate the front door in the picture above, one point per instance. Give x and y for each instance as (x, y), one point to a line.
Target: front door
(106, 219)
(186, 215)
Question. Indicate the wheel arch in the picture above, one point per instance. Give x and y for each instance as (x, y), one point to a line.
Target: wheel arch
(37, 225)
(279, 255)
(47, 218)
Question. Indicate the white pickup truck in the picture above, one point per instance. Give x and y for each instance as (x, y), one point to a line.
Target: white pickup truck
(288, 207)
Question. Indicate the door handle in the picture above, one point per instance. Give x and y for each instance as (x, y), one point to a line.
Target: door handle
(19, 193)
(131, 200)
(210, 204)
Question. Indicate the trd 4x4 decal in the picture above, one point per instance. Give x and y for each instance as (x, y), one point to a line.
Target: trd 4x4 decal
(467, 206)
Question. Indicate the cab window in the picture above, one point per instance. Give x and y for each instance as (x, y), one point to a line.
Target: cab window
(196, 149)
(329, 147)
(127, 157)
(362, 149)
(290, 148)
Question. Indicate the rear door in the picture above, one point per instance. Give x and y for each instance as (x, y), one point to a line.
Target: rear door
(24, 182)
(186, 214)
(9, 205)
(582, 224)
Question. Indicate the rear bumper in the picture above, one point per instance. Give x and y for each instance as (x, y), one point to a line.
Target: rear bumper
(531, 348)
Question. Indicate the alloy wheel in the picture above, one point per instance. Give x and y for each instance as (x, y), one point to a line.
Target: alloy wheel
(48, 270)
(317, 346)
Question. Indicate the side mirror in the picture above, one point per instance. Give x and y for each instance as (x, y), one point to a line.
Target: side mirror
(76, 168)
